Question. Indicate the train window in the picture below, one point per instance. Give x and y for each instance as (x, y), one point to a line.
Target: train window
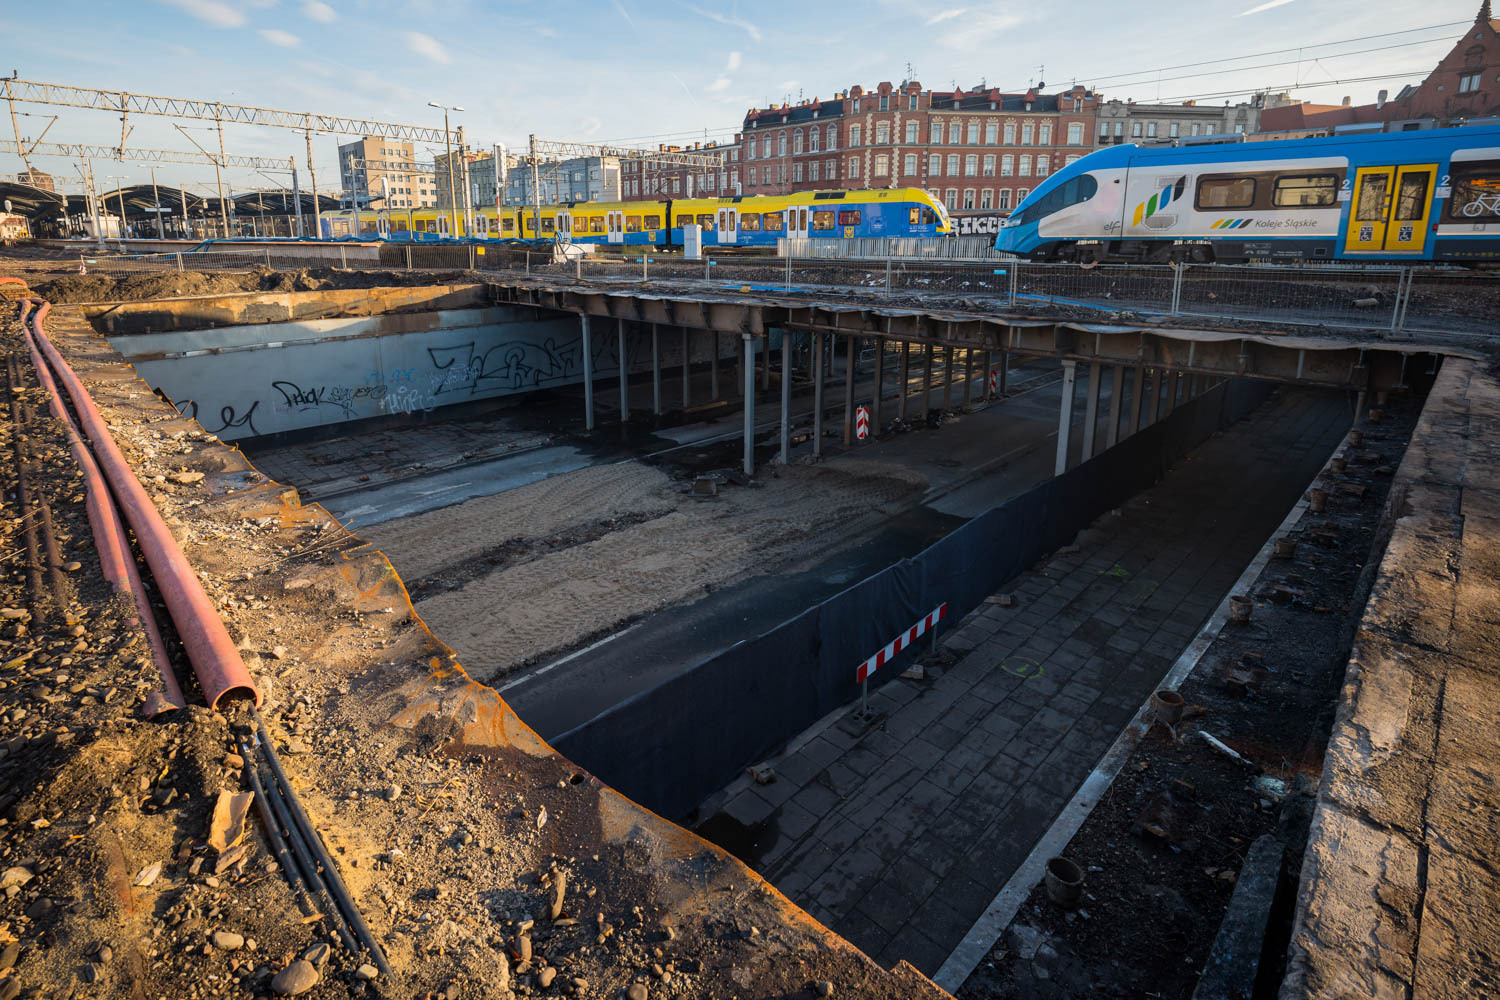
(1411, 197)
(684, 220)
(849, 217)
(1225, 192)
(772, 222)
(507, 225)
(596, 224)
(633, 223)
(1476, 191)
(580, 224)
(914, 215)
(653, 222)
(750, 223)
(706, 220)
(1371, 206)
(1071, 192)
(1302, 190)
(823, 220)
(548, 225)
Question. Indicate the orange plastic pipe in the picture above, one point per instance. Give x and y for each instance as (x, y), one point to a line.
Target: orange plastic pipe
(221, 672)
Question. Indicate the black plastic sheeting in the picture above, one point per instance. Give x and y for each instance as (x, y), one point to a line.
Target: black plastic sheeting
(672, 746)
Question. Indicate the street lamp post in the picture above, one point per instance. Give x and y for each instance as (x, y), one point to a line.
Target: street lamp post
(448, 143)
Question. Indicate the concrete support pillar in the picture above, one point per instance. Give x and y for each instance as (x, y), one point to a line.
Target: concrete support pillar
(902, 376)
(713, 368)
(655, 371)
(968, 377)
(989, 366)
(1091, 410)
(687, 371)
(624, 372)
(765, 366)
(1155, 406)
(1116, 390)
(749, 465)
(786, 395)
(849, 395)
(1065, 416)
(926, 382)
(948, 378)
(1173, 382)
(746, 381)
(817, 395)
(879, 383)
(1137, 400)
(588, 373)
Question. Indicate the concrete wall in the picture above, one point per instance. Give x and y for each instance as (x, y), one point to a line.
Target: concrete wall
(242, 381)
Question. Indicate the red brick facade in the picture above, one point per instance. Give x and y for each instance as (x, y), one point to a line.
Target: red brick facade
(975, 150)
(650, 180)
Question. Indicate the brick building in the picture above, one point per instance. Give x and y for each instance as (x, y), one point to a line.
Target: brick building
(649, 179)
(1464, 86)
(975, 150)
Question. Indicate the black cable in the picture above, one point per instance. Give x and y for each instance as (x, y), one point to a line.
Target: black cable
(276, 834)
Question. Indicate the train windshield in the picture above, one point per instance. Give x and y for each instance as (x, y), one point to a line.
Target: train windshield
(1070, 192)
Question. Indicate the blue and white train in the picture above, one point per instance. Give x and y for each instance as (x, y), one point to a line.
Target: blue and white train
(1390, 196)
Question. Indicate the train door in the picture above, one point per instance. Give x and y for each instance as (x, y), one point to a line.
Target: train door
(1391, 209)
(564, 226)
(729, 224)
(797, 219)
(614, 226)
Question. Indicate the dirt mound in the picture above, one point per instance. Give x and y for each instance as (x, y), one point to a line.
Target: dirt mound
(75, 288)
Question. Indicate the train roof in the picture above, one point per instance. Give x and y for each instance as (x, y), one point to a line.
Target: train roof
(1471, 135)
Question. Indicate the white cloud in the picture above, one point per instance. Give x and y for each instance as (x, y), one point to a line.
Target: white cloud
(620, 8)
(728, 20)
(722, 83)
(220, 15)
(789, 85)
(318, 11)
(591, 126)
(1264, 6)
(734, 62)
(977, 29)
(947, 15)
(276, 36)
(426, 46)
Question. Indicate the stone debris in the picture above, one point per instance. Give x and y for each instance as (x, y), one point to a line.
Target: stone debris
(148, 874)
(295, 979)
(228, 940)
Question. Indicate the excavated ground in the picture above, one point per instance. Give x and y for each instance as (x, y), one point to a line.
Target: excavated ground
(450, 820)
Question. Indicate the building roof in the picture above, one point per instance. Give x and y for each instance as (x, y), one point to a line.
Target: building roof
(32, 202)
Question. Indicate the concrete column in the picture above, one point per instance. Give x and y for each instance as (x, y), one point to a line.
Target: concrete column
(713, 378)
(817, 395)
(1173, 381)
(749, 464)
(1155, 408)
(1065, 416)
(655, 371)
(1091, 410)
(989, 362)
(902, 375)
(588, 373)
(687, 371)
(968, 377)
(765, 366)
(926, 382)
(624, 372)
(1116, 390)
(879, 383)
(849, 394)
(786, 395)
(1137, 398)
(948, 378)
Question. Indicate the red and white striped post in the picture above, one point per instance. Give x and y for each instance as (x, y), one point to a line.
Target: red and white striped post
(862, 422)
(928, 623)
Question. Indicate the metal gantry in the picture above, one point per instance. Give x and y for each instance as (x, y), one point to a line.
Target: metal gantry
(77, 151)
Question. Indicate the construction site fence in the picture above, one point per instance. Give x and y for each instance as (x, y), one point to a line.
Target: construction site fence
(674, 745)
(1391, 302)
(900, 247)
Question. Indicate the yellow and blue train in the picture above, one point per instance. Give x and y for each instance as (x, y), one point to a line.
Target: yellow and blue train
(1390, 196)
(748, 221)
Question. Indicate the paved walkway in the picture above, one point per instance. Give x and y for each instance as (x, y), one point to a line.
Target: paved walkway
(900, 838)
(1400, 893)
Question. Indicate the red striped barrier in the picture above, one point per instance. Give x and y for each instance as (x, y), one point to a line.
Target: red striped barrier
(862, 422)
(899, 643)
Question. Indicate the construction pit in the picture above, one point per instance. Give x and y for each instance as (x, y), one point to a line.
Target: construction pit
(482, 860)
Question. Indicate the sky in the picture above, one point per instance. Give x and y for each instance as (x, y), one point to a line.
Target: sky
(640, 72)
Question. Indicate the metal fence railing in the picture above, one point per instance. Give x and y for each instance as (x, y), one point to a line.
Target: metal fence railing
(903, 247)
(1391, 301)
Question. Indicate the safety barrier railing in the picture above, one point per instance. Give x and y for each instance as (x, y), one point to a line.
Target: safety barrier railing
(902, 247)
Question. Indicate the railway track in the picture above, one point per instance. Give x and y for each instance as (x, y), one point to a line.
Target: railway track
(152, 564)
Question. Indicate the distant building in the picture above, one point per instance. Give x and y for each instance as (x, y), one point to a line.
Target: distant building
(582, 178)
(1463, 87)
(487, 180)
(974, 150)
(650, 178)
(37, 179)
(1155, 124)
(381, 173)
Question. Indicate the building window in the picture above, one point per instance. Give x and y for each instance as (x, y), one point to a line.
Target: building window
(765, 148)
(812, 140)
(1103, 130)
(856, 105)
(853, 171)
(971, 166)
(912, 130)
(937, 133)
(986, 200)
(1004, 204)
(1020, 195)
(1151, 130)
(813, 171)
(1007, 165)
(882, 133)
(911, 102)
(935, 164)
(854, 135)
(752, 176)
(1172, 130)
(1075, 134)
(882, 165)
(911, 165)
(991, 131)
(1025, 166)
(951, 199)
(885, 103)
(1041, 166)
(989, 165)
(833, 170)
(1195, 128)
(797, 173)
(1135, 130)
(1010, 134)
(1026, 134)
(797, 142)
(968, 199)
(1469, 82)
(973, 136)
(780, 173)
(781, 144)
(833, 139)
(1045, 136)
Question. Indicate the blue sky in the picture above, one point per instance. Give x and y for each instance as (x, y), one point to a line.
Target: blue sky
(644, 71)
